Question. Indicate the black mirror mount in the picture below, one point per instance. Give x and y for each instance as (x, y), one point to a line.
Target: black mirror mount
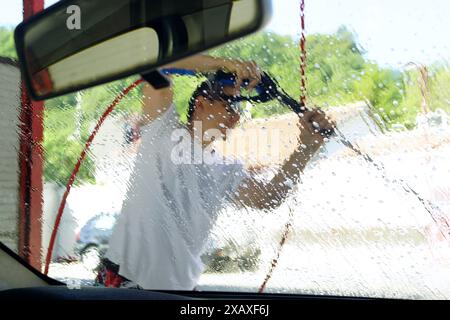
(156, 79)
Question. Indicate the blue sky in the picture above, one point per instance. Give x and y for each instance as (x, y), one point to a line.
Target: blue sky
(393, 32)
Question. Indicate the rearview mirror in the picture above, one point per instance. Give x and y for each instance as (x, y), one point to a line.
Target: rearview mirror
(76, 44)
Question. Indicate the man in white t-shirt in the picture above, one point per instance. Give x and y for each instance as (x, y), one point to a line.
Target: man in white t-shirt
(179, 183)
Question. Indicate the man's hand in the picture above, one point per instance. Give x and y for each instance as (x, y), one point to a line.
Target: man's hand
(244, 70)
(314, 126)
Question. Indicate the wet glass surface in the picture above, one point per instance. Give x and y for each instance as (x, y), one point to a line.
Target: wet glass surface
(368, 217)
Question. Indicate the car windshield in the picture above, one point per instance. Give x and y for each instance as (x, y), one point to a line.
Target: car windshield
(179, 190)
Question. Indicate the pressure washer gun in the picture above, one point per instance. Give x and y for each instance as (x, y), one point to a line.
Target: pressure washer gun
(268, 89)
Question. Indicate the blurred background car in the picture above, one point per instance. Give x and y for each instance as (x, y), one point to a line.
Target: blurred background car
(92, 239)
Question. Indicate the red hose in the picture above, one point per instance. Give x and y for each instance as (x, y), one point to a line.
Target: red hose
(77, 167)
(274, 264)
(288, 225)
(302, 54)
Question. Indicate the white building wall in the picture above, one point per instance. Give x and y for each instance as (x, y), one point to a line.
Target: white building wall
(9, 146)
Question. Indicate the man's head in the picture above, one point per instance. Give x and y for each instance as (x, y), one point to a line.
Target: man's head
(213, 104)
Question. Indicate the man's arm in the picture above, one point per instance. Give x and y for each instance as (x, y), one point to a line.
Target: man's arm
(260, 195)
(204, 63)
(156, 101)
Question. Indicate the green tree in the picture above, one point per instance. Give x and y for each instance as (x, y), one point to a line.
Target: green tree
(7, 46)
(68, 122)
(335, 64)
(384, 89)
